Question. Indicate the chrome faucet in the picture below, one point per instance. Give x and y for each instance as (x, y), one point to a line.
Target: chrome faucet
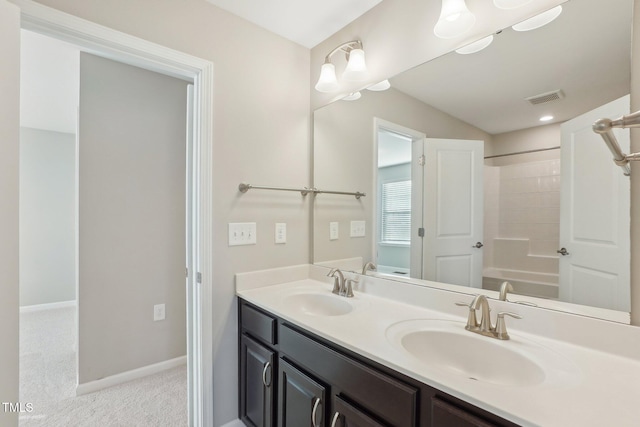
(485, 328)
(368, 266)
(341, 286)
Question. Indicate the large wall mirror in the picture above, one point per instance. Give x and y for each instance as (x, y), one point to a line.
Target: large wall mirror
(483, 167)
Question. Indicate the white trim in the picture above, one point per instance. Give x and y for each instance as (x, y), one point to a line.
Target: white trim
(127, 376)
(234, 423)
(112, 44)
(48, 306)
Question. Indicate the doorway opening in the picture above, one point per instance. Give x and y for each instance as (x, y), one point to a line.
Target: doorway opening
(130, 50)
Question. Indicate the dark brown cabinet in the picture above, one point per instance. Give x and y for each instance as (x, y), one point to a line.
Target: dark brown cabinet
(257, 385)
(301, 400)
(319, 384)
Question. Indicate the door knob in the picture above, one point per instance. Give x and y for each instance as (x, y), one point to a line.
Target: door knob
(563, 251)
(478, 245)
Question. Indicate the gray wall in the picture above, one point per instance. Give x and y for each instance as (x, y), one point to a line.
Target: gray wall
(47, 217)
(132, 177)
(9, 179)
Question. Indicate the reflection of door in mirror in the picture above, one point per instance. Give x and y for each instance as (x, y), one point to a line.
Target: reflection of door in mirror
(453, 211)
(594, 214)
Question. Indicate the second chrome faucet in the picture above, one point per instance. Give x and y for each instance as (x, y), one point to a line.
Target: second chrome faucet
(485, 327)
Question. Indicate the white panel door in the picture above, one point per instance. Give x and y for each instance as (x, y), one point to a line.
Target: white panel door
(453, 208)
(594, 214)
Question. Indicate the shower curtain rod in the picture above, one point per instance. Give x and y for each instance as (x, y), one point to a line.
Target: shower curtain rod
(523, 152)
(304, 191)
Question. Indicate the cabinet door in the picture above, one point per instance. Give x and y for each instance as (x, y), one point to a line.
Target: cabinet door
(301, 401)
(347, 415)
(444, 414)
(256, 383)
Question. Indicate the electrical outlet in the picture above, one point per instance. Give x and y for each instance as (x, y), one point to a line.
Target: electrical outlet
(281, 232)
(333, 231)
(242, 233)
(357, 228)
(158, 312)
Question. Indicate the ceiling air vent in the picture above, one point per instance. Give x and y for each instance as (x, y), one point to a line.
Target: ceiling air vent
(543, 98)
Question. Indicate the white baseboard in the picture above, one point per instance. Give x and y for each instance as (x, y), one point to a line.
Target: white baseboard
(234, 423)
(49, 306)
(127, 376)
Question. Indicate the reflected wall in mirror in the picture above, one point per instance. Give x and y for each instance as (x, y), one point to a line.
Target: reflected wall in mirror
(480, 190)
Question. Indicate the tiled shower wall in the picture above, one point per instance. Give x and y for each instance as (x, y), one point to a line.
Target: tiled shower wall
(522, 201)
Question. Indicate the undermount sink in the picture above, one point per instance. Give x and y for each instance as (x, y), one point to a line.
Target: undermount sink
(317, 304)
(447, 346)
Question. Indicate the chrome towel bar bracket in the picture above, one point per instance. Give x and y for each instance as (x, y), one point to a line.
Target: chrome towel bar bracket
(604, 127)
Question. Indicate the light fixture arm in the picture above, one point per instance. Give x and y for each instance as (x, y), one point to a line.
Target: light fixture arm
(604, 127)
(346, 48)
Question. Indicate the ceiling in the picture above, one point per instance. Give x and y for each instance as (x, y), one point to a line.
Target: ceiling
(585, 53)
(302, 21)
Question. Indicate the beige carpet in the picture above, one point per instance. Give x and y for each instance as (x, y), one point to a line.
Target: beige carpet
(48, 381)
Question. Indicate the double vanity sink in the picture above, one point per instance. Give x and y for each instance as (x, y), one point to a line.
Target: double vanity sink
(528, 380)
(443, 344)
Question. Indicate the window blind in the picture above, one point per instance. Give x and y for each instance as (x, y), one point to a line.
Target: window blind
(396, 211)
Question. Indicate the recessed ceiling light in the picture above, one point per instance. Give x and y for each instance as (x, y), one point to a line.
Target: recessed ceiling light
(546, 118)
(539, 20)
(475, 46)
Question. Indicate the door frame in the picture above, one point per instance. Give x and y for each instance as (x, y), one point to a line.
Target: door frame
(121, 47)
(417, 150)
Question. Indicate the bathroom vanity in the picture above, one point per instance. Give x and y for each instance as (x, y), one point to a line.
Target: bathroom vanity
(292, 377)
(398, 355)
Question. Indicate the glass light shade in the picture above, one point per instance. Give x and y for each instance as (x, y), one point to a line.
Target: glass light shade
(539, 20)
(383, 85)
(356, 67)
(510, 4)
(455, 19)
(475, 46)
(352, 96)
(328, 81)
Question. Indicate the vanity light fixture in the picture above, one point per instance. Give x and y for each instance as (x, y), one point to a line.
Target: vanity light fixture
(476, 46)
(383, 85)
(455, 19)
(352, 96)
(539, 20)
(356, 69)
(510, 4)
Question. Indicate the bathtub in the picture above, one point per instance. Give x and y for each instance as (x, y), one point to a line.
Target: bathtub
(543, 285)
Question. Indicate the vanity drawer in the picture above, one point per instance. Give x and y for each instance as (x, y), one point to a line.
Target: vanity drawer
(258, 324)
(387, 398)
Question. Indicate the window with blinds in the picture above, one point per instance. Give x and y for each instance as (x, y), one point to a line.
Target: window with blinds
(396, 212)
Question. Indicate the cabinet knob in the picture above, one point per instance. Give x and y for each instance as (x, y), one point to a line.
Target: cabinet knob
(314, 413)
(265, 381)
(334, 420)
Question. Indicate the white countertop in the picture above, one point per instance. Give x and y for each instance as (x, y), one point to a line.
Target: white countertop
(587, 386)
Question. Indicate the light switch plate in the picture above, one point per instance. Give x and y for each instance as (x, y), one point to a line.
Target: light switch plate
(158, 312)
(357, 228)
(242, 233)
(281, 232)
(333, 231)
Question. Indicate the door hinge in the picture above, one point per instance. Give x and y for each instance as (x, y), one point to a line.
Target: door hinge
(421, 232)
(199, 277)
(422, 160)
(186, 272)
